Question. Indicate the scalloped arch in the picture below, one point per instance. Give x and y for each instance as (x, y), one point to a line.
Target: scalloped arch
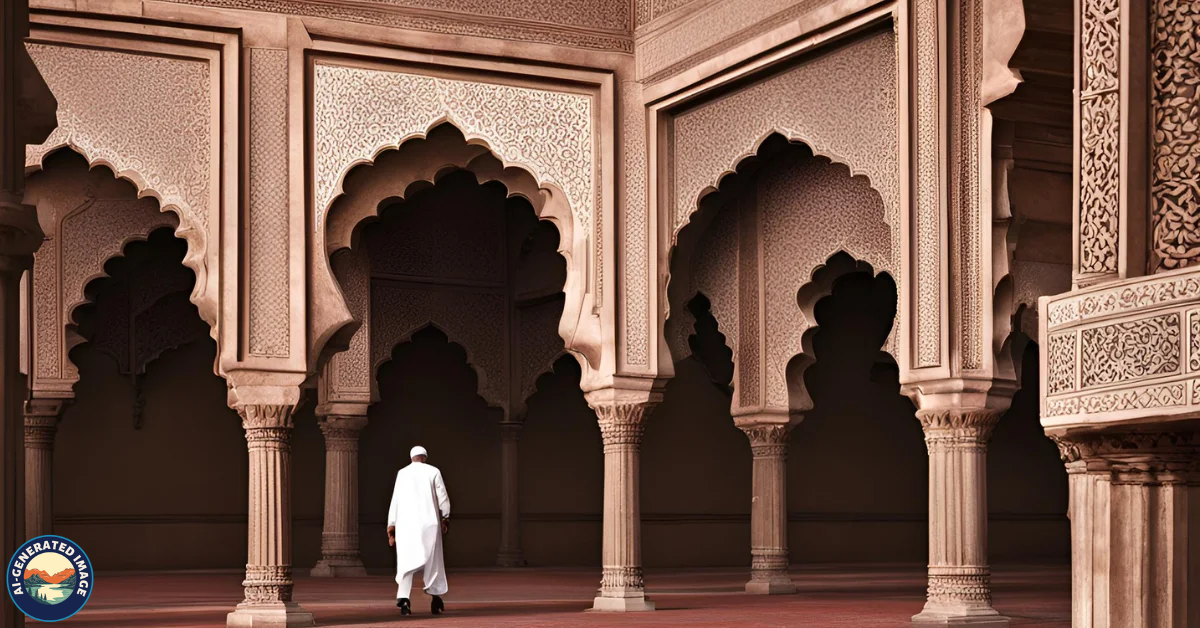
(406, 337)
(186, 229)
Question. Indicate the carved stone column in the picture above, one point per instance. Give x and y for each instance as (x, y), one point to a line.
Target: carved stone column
(768, 510)
(268, 581)
(41, 425)
(1133, 509)
(339, 537)
(621, 424)
(511, 554)
(959, 578)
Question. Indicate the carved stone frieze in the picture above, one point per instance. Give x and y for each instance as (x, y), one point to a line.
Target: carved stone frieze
(1130, 350)
(269, 228)
(1175, 172)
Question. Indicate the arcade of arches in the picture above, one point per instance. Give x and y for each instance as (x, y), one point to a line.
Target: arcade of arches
(660, 284)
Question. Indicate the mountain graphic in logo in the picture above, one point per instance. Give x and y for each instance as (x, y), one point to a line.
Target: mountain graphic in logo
(50, 578)
(44, 588)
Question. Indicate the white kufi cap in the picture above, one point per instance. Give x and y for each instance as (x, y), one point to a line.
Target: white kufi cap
(417, 451)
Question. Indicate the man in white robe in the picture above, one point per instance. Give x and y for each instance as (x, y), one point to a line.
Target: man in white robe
(416, 524)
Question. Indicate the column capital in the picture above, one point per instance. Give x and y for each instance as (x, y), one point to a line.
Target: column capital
(1142, 457)
(622, 414)
(767, 439)
(41, 421)
(511, 430)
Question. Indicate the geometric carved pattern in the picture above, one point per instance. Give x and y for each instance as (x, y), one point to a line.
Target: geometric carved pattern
(268, 181)
(1129, 350)
(358, 112)
(1061, 360)
(1099, 120)
(1175, 190)
(152, 124)
(473, 320)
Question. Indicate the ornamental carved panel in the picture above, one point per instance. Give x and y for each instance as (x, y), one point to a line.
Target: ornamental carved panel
(1135, 345)
(1100, 122)
(1175, 172)
(540, 343)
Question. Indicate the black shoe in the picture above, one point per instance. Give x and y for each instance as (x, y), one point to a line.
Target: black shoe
(405, 609)
(437, 605)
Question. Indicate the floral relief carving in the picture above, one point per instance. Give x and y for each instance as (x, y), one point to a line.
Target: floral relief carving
(270, 293)
(1123, 351)
(359, 112)
(965, 193)
(473, 320)
(1099, 223)
(1061, 360)
(1175, 187)
(1099, 120)
(154, 124)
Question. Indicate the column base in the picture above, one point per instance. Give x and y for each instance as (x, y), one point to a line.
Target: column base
(622, 604)
(966, 617)
(781, 585)
(327, 568)
(279, 614)
(506, 558)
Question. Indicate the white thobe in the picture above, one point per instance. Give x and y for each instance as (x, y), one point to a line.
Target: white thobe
(419, 502)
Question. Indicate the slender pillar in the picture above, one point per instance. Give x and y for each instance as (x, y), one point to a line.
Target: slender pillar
(41, 425)
(768, 510)
(339, 537)
(959, 578)
(1133, 508)
(268, 582)
(621, 585)
(511, 554)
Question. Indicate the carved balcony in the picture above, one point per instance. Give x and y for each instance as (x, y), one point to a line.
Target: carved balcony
(1122, 353)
